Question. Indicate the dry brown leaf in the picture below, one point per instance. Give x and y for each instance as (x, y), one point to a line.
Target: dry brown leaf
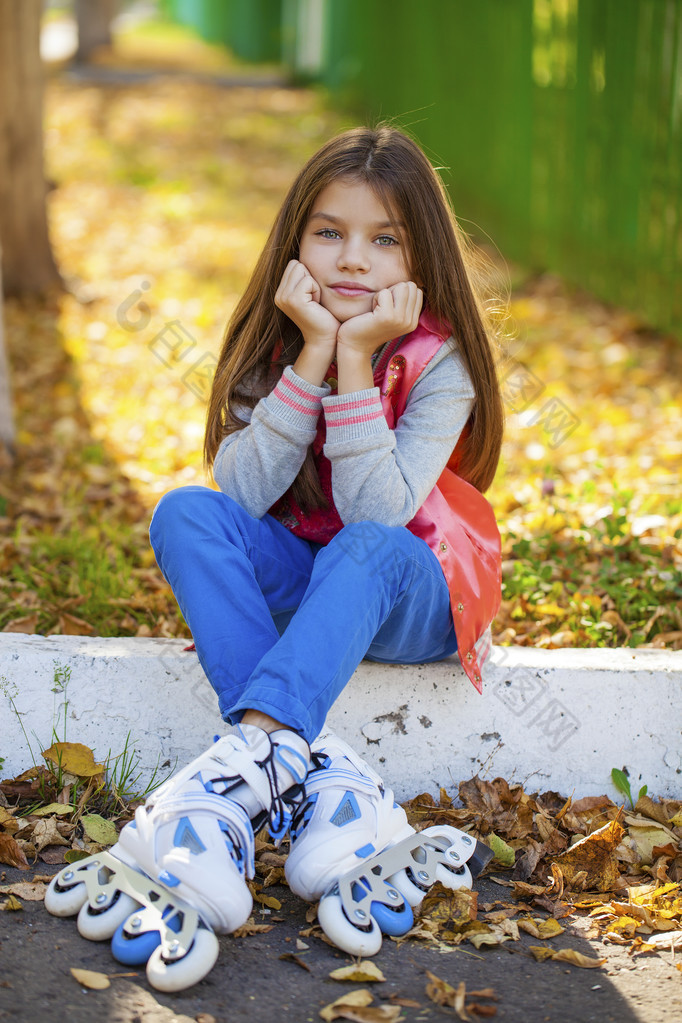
(442, 993)
(11, 853)
(594, 854)
(250, 927)
(28, 890)
(291, 957)
(28, 624)
(45, 832)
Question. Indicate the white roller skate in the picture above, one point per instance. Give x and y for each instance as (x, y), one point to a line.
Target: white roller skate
(352, 848)
(178, 871)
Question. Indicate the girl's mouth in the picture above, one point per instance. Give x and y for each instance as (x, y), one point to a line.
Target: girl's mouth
(350, 289)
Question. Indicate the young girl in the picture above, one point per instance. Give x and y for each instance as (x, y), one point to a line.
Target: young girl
(354, 422)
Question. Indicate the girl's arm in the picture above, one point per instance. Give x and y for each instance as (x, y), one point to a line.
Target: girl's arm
(385, 475)
(256, 465)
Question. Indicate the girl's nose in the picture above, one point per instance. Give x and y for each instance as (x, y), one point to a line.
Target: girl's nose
(353, 256)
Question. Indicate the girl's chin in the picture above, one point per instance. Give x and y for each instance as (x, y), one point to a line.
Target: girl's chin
(347, 310)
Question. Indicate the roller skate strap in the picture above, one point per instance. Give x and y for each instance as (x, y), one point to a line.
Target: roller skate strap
(327, 777)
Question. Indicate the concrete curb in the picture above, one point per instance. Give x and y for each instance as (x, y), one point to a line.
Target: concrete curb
(551, 719)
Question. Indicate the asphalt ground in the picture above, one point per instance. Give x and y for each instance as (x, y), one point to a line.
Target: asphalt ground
(251, 980)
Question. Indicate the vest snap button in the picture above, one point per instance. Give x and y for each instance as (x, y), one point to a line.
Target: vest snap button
(470, 657)
(460, 607)
(477, 677)
(443, 546)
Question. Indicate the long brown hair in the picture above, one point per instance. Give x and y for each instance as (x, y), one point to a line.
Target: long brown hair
(260, 339)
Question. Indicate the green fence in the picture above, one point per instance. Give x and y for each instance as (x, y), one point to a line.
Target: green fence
(559, 123)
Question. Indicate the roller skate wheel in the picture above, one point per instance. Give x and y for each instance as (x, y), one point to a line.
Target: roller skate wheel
(363, 938)
(99, 924)
(396, 919)
(62, 899)
(178, 974)
(411, 892)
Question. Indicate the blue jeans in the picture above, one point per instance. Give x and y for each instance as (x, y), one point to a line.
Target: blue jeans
(280, 624)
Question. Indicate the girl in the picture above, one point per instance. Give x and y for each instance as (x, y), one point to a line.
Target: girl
(354, 422)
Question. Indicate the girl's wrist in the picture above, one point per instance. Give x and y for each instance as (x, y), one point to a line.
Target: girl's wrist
(354, 369)
(313, 362)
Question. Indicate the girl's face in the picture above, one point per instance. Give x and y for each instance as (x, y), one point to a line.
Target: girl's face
(353, 248)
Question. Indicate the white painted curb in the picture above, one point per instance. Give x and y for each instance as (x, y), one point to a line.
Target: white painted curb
(551, 719)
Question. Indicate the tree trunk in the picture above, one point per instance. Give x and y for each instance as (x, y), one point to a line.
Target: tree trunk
(28, 266)
(6, 418)
(94, 19)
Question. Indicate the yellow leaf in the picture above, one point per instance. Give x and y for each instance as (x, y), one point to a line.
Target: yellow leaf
(90, 979)
(541, 952)
(8, 821)
(12, 905)
(267, 900)
(361, 997)
(565, 955)
(596, 856)
(362, 972)
(75, 758)
(58, 808)
(569, 955)
(550, 928)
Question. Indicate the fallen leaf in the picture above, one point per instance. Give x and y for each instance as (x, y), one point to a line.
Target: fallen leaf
(99, 830)
(442, 993)
(594, 854)
(251, 928)
(91, 979)
(504, 853)
(28, 890)
(11, 854)
(565, 955)
(361, 972)
(75, 758)
(45, 832)
(290, 957)
(352, 999)
(52, 808)
(267, 900)
(11, 905)
(8, 821)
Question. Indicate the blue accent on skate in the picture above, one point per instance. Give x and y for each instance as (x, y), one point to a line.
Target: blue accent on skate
(280, 825)
(393, 921)
(346, 812)
(135, 949)
(290, 765)
(235, 851)
(170, 880)
(366, 851)
(186, 837)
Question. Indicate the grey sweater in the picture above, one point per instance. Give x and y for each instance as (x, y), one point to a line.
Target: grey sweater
(378, 474)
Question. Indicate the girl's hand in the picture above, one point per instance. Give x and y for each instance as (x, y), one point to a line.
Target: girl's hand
(395, 312)
(298, 295)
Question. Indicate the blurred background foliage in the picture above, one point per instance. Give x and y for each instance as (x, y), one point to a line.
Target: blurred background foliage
(168, 153)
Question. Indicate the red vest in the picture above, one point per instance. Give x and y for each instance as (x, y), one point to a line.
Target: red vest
(455, 520)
